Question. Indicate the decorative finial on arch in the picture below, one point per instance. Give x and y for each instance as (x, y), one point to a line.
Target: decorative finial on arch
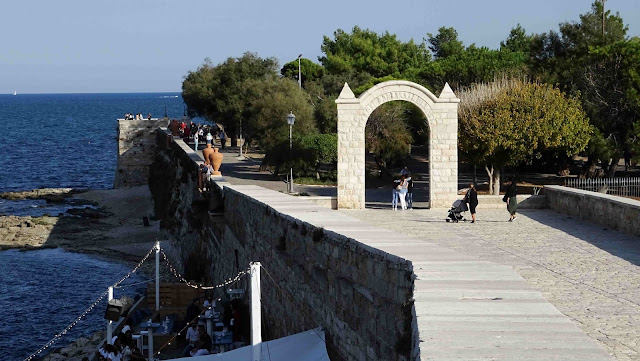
(346, 92)
(447, 93)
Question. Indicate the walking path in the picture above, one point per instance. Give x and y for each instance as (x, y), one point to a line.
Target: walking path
(482, 289)
(467, 308)
(590, 274)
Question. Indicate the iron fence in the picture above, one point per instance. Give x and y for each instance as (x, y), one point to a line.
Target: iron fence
(623, 187)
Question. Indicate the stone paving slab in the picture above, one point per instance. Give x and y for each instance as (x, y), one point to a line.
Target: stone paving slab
(467, 308)
(589, 273)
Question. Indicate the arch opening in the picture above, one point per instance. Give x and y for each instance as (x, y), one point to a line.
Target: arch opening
(396, 141)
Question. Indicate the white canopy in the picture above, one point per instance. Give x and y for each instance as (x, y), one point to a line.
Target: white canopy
(305, 346)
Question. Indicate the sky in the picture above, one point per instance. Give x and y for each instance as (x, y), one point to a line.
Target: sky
(84, 46)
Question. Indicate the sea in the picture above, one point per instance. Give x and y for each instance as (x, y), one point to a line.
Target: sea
(60, 141)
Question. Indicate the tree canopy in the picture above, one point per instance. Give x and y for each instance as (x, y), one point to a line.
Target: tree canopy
(508, 121)
(581, 70)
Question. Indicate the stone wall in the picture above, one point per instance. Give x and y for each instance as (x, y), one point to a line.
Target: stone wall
(618, 213)
(361, 296)
(136, 149)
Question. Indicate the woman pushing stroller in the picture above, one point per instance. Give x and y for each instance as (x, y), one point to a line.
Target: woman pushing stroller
(471, 198)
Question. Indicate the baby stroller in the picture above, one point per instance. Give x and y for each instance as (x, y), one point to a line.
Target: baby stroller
(455, 213)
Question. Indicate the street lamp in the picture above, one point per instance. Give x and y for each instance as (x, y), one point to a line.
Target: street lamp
(291, 118)
(299, 73)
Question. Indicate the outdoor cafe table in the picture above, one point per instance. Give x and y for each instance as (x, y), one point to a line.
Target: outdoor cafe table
(210, 318)
(149, 326)
(222, 340)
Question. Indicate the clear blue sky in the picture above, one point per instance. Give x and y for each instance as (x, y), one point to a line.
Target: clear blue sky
(149, 45)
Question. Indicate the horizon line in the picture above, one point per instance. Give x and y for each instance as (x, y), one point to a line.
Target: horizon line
(114, 92)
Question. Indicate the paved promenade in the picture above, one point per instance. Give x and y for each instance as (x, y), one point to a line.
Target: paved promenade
(590, 274)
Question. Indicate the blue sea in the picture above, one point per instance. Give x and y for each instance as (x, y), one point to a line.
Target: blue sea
(68, 140)
(42, 292)
(55, 141)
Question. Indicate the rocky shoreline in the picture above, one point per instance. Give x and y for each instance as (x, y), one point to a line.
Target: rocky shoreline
(106, 222)
(78, 349)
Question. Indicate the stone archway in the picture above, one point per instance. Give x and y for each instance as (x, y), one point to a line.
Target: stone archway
(442, 115)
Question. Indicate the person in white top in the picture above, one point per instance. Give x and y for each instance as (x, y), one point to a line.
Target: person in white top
(192, 337)
(209, 138)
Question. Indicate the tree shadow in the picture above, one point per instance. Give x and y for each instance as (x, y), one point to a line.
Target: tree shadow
(614, 242)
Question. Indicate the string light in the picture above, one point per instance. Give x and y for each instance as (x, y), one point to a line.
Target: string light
(196, 286)
(95, 303)
(56, 337)
(179, 276)
(173, 270)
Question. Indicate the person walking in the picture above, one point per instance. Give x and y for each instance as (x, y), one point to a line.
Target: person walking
(404, 186)
(471, 198)
(223, 139)
(394, 193)
(510, 198)
(410, 193)
(195, 140)
(209, 138)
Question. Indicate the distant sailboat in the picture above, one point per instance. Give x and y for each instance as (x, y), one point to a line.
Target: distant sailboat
(15, 93)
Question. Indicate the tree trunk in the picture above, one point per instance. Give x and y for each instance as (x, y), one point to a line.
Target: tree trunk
(611, 172)
(490, 174)
(589, 168)
(494, 179)
(496, 182)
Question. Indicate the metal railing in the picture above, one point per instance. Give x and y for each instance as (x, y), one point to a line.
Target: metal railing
(623, 187)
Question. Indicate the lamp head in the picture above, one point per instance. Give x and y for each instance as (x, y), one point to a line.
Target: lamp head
(291, 118)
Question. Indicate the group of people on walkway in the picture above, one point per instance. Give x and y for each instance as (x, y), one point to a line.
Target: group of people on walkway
(198, 133)
(402, 191)
(510, 198)
(130, 116)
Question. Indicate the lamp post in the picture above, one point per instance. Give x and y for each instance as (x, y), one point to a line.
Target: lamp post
(291, 118)
(299, 72)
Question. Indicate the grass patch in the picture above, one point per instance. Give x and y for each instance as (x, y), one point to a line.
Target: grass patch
(314, 181)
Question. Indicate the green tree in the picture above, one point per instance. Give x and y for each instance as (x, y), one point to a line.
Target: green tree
(473, 65)
(388, 137)
(506, 122)
(610, 87)
(218, 92)
(269, 102)
(445, 43)
(555, 56)
(517, 41)
(364, 51)
(310, 70)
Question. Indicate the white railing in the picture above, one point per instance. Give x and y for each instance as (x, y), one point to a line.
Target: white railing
(623, 187)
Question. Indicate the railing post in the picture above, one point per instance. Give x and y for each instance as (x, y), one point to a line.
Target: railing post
(158, 276)
(109, 323)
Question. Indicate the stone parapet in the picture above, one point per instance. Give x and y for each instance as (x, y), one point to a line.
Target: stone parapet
(618, 213)
(136, 151)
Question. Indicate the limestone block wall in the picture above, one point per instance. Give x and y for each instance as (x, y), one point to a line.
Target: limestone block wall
(361, 296)
(136, 149)
(618, 213)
